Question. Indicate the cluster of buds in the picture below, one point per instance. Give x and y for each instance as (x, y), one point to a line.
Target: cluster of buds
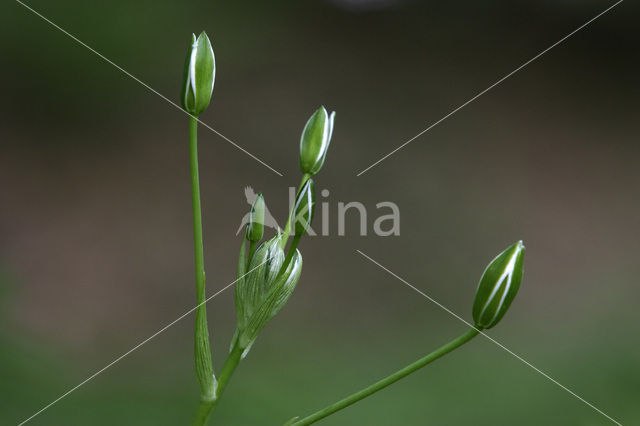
(263, 289)
(267, 276)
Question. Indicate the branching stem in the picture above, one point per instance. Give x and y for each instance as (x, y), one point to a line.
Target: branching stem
(206, 407)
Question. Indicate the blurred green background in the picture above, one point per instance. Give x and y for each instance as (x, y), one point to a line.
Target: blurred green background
(95, 225)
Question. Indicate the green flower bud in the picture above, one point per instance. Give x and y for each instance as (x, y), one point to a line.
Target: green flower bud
(498, 286)
(199, 75)
(315, 141)
(255, 227)
(262, 293)
(304, 207)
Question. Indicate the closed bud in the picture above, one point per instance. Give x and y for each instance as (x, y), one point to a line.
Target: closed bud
(315, 141)
(263, 291)
(199, 75)
(255, 227)
(304, 207)
(498, 286)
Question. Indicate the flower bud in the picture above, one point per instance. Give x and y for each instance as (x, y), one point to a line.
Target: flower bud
(263, 292)
(498, 286)
(315, 141)
(255, 227)
(304, 207)
(199, 75)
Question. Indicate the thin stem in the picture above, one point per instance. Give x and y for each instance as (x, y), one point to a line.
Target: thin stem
(352, 399)
(228, 368)
(292, 250)
(203, 413)
(287, 227)
(206, 407)
(202, 349)
(252, 250)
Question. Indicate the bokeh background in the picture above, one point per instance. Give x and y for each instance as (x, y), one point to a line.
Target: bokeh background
(95, 219)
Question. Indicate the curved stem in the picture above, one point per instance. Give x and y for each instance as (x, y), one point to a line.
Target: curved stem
(202, 349)
(381, 384)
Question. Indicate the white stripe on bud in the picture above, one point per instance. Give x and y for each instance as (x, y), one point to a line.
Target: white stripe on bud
(498, 286)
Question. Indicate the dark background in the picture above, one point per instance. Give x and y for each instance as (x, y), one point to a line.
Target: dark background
(95, 215)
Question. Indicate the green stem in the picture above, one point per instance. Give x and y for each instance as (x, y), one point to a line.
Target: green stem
(206, 407)
(292, 250)
(352, 399)
(228, 368)
(202, 349)
(252, 250)
(203, 413)
(287, 227)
